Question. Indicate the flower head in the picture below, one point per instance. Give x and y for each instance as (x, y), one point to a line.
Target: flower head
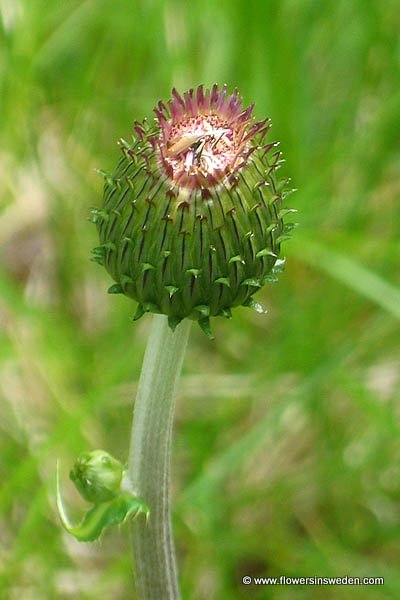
(191, 222)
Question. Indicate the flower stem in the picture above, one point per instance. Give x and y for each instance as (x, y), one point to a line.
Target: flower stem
(150, 458)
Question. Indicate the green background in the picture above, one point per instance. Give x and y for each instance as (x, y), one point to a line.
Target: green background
(287, 448)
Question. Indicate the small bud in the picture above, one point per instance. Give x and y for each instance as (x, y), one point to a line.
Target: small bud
(97, 476)
(192, 215)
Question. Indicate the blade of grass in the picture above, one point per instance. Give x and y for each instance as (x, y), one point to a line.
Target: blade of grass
(354, 275)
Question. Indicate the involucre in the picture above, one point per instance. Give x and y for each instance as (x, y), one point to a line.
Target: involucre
(192, 219)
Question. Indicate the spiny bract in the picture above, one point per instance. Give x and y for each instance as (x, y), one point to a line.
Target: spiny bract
(192, 217)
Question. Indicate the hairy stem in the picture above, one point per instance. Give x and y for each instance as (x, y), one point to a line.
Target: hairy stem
(150, 458)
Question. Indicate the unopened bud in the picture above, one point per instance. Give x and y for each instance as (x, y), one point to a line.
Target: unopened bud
(97, 476)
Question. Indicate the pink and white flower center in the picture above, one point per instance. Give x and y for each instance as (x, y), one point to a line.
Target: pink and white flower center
(201, 145)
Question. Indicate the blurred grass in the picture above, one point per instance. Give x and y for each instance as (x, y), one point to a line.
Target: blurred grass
(287, 435)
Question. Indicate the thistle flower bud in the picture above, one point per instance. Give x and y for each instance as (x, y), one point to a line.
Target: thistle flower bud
(97, 476)
(191, 223)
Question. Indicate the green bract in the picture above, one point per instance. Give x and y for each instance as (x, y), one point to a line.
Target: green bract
(98, 478)
(191, 223)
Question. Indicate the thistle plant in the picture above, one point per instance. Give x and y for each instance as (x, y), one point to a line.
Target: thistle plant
(190, 227)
